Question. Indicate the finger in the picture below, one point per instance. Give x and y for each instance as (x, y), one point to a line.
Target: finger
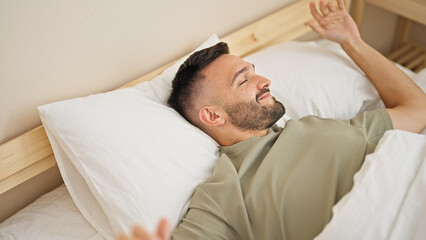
(317, 28)
(323, 8)
(141, 233)
(314, 11)
(164, 229)
(341, 5)
(330, 7)
(122, 237)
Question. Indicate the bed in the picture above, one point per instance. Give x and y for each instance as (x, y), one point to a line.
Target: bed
(105, 193)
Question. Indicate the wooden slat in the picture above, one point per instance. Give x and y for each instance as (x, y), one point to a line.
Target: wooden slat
(400, 51)
(416, 61)
(30, 153)
(420, 67)
(410, 55)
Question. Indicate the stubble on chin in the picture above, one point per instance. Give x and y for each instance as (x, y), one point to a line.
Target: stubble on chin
(253, 116)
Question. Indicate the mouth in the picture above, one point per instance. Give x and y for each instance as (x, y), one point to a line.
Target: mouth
(263, 94)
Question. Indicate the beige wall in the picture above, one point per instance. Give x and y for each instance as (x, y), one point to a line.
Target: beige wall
(54, 50)
(378, 29)
(418, 33)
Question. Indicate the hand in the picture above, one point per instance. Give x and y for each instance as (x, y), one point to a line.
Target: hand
(334, 24)
(138, 233)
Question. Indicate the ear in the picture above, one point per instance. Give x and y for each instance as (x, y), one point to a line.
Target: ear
(211, 116)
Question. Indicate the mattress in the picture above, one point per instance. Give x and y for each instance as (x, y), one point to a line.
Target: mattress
(52, 216)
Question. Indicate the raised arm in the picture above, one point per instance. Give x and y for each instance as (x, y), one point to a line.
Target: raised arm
(404, 100)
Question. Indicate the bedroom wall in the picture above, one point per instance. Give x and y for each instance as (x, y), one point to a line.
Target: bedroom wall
(54, 50)
(378, 29)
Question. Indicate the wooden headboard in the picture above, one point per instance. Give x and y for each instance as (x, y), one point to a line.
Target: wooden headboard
(31, 154)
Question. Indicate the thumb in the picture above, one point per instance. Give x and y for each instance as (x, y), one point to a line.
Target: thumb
(163, 230)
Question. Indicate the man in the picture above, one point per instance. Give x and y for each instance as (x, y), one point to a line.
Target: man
(273, 183)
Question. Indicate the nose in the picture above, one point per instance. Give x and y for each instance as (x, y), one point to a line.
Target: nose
(262, 82)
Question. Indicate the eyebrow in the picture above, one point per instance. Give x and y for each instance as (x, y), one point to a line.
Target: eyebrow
(237, 74)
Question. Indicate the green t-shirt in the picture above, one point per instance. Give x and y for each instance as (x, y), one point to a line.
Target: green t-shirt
(282, 185)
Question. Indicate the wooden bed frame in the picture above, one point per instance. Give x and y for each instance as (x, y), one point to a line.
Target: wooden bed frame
(31, 154)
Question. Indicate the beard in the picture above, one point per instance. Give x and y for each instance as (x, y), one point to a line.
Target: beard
(253, 116)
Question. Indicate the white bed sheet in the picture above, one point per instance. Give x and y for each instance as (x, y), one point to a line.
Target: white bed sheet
(52, 216)
(388, 198)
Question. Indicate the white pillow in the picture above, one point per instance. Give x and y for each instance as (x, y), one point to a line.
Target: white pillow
(316, 78)
(126, 158)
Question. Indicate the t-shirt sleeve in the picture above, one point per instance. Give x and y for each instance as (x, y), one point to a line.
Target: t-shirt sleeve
(373, 123)
(203, 220)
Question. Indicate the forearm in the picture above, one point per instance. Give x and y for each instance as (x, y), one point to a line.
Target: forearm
(394, 86)
(404, 100)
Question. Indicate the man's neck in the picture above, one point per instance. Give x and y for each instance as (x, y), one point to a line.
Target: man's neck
(238, 135)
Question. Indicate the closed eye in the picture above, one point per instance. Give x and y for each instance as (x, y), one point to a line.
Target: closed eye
(242, 82)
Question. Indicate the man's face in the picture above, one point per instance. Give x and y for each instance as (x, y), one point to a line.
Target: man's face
(243, 94)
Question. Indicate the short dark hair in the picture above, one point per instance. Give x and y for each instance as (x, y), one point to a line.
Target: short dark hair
(189, 74)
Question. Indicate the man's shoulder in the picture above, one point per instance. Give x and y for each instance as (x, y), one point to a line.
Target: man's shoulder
(379, 113)
(371, 123)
